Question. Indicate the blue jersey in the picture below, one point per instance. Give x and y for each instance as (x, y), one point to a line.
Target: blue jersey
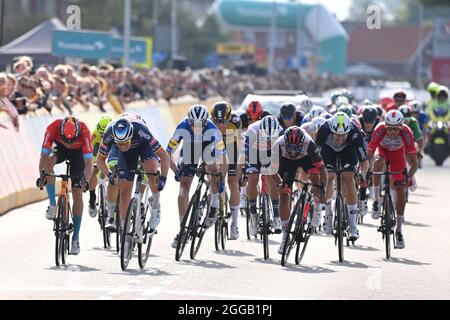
(141, 136)
(210, 139)
(422, 119)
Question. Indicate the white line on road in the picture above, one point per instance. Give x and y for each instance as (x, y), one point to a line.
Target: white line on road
(146, 291)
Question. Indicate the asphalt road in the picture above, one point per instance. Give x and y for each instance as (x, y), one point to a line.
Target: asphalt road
(421, 271)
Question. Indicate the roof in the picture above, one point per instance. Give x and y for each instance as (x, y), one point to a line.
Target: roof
(364, 70)
(36, 41)
(386, 45)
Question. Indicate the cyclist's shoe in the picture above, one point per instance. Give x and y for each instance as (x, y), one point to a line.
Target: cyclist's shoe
(400, 244)
(155, 218)
(211, 219)
(277, 225)
(315, 221)
(175, 242)
(234, 233)
(328, 225)
(363, 207)
(281, 247)
(75, 249)
(376, 214)
(253, 228)
(111, 226)
(243, 202)
(353, 234)
(93, 211)
(51, 213)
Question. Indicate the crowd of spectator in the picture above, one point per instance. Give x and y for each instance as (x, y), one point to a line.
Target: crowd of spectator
(64, 87)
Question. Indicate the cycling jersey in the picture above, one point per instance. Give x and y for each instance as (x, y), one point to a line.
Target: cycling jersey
(381, 140)
(413, 124)
(210, 139)
(354, 138)
(83, 142)
(307, 118)
(308, 128)
(423, 119)
(141, 137)
(308, 149)
(232, 134)
(365, 130)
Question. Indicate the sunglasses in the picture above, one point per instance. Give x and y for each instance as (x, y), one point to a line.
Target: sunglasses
(293, 148)
(396, 129)
(222, 121)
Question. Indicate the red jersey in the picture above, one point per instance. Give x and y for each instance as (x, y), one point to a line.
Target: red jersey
(380, 139)
(52, 135)
(391, 106)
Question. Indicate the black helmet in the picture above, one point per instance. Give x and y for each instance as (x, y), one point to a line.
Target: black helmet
(370, 114)
(221, 111)
(287, 110)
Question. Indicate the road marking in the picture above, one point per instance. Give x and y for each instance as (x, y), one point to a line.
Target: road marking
(146, 291)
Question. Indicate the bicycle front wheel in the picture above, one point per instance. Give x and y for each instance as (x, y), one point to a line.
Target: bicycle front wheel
(186, 228)
(388, 215)
(265, 225)
(102, 216)
(128, 233)
(144, 248)
(305, 231)
(58, 232)
(292, 232)
(198, 231)
(339, 209)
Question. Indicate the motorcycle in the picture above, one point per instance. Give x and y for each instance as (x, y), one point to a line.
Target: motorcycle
(438, 146)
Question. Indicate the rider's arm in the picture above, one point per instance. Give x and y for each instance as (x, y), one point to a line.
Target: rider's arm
(174, 142)
(410, 149)
(49, 138)
(86, 147)
(165, 161)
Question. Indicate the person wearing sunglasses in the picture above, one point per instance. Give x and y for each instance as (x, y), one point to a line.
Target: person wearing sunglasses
(395, 143)
(202, 142)
(67, 139)
(297, 150)
(229, 125)
(289, 115)
(340, 136)
(134, 141)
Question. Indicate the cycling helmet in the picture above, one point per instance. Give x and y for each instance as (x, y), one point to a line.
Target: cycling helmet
(221, 111)
(254, 110)
(69, 129)
(124, 114)
(366, 102)
(370, 114)
(393, 118)
(198, 113)
(346, 93)
(340, 123)
(293, 138)
(103, 123)
(442, 93)
(384, 101)
(415, 106)
(379, 109)
(306, 103)
(269, 128)
(287, 110)
(399, 96)
(405, 110)
(317, 122)
(432, 89)
(334, 96)
(346, 109)
(122, 130)
(342, 100)
(316, 111)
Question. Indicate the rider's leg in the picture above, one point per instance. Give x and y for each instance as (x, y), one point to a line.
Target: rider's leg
(252, 191)
(92, 185)
(274, 193)
(348, 181)
(233, 184)
(183, 196)
(215, 195)
(378, 166)
(50, 187)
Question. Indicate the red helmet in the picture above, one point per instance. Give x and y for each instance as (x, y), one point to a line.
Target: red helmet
(254, 110)
(384, 101)
(69, 129)
(293, 138)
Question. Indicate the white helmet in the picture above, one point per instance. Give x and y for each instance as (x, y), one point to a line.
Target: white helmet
(341, 100)
(316, 111)
(317, 122)
(269, 128)
(340, 123)
(124, 114)
(415, 106)
(393, 118)
(198, 113)
(306, 103)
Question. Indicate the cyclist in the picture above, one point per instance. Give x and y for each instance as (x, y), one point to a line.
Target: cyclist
(316, 111)
(134, 141)
(339, 136)
(229, 124)
(393, 140)
(348, 110)
(96, 137)
(289, 115)
(296, 149)
(313, 126)
(72, 141)
(385, 101)
(259, 141)
(202, 142)
(399, 100)
(413, 124)
(420, 115)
